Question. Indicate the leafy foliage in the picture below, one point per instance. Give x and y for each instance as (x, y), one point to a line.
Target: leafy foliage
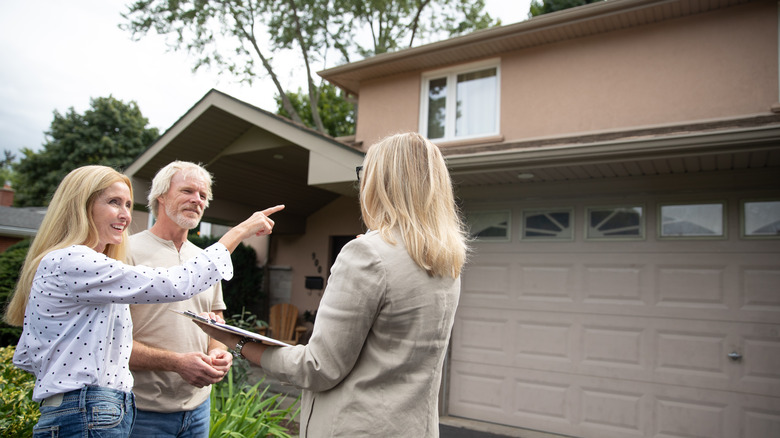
(18, 412)
(338, 114)
(7, 173)
(245, 289)
(11, 262)
(246, 320)
(235, 34)
(111, 133)
(241, 411)
(541, 7)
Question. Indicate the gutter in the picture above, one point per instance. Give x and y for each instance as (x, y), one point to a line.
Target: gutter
(733, 140)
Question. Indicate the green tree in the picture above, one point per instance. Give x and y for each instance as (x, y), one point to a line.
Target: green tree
(541, 7)
(112, 133)
(338, 113)
(7, 174)
(235, 34)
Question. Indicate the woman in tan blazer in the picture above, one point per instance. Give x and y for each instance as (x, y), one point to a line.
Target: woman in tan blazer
(373, 364)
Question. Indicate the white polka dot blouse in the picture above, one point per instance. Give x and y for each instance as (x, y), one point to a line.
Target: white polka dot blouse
(77, 328)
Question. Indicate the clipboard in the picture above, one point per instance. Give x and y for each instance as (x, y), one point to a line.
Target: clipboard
(229, 328)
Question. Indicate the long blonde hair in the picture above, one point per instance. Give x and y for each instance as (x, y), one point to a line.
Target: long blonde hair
(407, 187)
(68, 221)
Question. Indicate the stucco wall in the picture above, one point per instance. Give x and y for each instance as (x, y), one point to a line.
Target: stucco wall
(709, 66)
(388, 106)
(339, 218)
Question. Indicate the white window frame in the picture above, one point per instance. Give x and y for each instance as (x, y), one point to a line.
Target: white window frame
(528, 211)
(452, 74)
(469, 214)
(642, 222)
(723, 218)
(743, 219)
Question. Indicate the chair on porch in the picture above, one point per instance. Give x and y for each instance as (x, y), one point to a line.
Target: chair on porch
(282, 324)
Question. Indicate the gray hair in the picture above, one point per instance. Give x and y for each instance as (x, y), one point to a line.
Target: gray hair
(162, 181)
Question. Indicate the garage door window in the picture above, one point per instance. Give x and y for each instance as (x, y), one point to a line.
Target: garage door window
(620, 222)
(692, 220)
(489, 225)
(761, 219)
(554, 224)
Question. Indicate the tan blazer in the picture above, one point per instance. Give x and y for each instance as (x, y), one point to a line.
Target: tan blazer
(373, 364)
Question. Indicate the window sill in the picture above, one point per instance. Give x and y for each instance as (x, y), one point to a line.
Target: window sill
(470, 141)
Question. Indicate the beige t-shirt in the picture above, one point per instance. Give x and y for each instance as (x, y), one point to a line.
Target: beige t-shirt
(154, 325)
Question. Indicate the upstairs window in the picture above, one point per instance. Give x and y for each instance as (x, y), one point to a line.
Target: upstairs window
(460, 103)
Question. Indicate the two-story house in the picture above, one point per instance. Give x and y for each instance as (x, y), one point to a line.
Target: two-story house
(619, 166)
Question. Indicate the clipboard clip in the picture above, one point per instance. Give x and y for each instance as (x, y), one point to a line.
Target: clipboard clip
(194, 315)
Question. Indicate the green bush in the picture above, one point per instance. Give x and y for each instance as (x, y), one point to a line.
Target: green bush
(245, 289)
(18, 412)
(238, 410)
(10, 264)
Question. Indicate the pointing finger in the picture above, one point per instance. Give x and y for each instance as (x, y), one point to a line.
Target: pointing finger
(272, 210)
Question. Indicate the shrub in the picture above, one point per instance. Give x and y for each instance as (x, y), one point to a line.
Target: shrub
(245, 289)
(238, 410)
(10, 264)
(18, 412)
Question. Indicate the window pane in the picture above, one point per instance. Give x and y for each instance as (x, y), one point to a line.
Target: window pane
(437, 103)
(762, 218)
(488, 225)
(544, 225)
(692, 220)
(476, 103)
(615, 222)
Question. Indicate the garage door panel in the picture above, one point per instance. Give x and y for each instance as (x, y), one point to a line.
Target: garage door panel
(530, 399)
(760, 366)
(489, 282)
(674, 289)
(672, 351)
(683, 418)
(760, 423)
(607, 408)
(547, 282)
(691, 286)
(760, 289)
(616, 346)
(483, 336)
(615, 284)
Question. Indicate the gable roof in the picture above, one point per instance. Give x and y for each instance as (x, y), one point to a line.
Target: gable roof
(258, 160)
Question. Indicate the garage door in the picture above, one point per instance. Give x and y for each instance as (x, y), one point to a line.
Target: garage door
(621, 338)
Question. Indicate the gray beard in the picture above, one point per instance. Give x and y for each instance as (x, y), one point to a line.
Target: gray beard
(180, 219)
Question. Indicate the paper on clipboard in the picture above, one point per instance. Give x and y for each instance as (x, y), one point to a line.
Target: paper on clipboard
(229, 328)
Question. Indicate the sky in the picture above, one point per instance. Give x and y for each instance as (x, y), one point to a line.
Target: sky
(57, 55)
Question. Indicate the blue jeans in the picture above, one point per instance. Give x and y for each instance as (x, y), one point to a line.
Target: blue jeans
(91, 411)
(190, 424)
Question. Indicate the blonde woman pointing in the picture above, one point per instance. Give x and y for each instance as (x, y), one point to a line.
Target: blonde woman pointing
(73, 300)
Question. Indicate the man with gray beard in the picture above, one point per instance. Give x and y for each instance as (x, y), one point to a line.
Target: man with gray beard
(173, 362)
